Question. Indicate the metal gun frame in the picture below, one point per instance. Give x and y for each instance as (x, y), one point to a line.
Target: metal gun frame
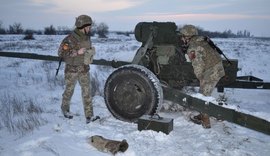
(175, 95)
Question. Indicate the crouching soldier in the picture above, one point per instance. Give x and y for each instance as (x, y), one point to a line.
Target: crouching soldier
(77, 51)
(206, 62)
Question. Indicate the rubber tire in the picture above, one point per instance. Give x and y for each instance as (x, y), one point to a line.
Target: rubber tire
(132, 91)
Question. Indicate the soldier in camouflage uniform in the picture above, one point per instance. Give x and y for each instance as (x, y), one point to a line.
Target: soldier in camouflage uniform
(77, 51)
(206, 62)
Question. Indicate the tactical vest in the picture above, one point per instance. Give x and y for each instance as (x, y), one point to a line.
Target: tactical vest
(81, 41)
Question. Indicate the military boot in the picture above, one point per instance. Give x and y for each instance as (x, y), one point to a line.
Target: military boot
(91, 119)
(201, 119)
(68, 114)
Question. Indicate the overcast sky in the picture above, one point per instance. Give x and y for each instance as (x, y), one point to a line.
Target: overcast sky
(213, 15)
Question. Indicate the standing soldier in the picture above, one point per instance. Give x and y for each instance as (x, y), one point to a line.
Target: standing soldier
(206, 62)
(77, 51)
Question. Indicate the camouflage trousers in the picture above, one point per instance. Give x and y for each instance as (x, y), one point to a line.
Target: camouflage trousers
(210, 79)
(84, 81)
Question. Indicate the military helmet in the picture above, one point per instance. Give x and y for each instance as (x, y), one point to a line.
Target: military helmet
(83, 21)
(189, 30)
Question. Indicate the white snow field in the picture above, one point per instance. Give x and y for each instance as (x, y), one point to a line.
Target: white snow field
(31, 122)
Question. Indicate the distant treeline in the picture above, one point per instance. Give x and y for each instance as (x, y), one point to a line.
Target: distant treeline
(102, 30)
(225, 34)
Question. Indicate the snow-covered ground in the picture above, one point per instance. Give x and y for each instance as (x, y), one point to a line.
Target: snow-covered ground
(31, 122)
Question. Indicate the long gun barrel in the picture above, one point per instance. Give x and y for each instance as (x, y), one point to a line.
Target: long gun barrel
(113, 63)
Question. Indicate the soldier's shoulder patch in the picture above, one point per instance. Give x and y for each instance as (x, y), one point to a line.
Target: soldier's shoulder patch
(65, 46)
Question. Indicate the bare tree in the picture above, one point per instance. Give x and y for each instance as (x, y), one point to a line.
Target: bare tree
(16, 28)
(2, 30)
(102, 30)
(50, 30)
(29, 34)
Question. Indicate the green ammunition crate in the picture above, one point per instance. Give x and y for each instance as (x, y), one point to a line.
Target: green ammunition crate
(155, 123)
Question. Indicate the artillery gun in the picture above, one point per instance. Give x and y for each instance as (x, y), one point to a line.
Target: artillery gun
(161, 52)
(160, 70)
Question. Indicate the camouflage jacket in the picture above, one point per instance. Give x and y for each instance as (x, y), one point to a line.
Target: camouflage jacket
(203, 57)
(69, 48)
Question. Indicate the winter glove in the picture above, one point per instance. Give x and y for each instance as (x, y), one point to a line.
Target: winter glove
(107, 145)
(88, 55)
